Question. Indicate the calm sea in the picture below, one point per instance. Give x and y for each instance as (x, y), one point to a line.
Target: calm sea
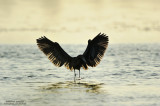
(128, 75)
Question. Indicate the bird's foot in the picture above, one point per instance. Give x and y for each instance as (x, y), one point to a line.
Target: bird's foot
(79, 78)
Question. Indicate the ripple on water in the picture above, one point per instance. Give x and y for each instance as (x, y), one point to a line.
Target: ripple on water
(138, 70)
(154, 74)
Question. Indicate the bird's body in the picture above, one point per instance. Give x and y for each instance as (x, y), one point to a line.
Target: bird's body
(78, 62)
(91, 57)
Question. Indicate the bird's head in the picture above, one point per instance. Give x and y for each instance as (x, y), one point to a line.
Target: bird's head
(89, 40)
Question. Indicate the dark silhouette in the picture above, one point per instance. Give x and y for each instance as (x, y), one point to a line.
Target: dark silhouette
(91, 57)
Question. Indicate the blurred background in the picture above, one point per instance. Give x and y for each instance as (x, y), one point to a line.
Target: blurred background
(76, 21)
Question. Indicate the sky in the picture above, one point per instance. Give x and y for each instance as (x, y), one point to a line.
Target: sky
(76, 21)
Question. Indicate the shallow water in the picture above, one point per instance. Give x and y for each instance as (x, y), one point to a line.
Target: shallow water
(129, 74)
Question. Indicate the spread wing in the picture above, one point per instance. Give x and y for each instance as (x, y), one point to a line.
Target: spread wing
(95, 50)
(54, 52)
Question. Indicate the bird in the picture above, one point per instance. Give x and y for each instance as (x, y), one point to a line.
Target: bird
(90, 58)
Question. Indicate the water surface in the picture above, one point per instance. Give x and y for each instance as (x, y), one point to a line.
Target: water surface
(129, 74)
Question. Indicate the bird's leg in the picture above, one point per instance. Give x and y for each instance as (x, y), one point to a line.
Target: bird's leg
(74, 76)
(79, 74)
(74, 73)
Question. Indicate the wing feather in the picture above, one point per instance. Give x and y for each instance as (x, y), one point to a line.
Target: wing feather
(54, 52)
(96, 49)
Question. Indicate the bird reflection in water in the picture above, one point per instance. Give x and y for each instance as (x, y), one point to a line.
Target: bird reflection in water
(91, 87)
